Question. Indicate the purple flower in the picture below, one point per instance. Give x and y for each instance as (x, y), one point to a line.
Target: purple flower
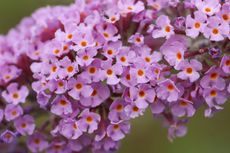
(117, 112)
(125, 56)
(14, 94)
(176, 130)
(137, 39)
(92, 73)
(58, 146)
(142, 96)
(111, 49)
(25, 125)
(89, 121)
(157, 106)
(129, 6)
(213, 78)
(183, 107)
(85, 58)
(108, 32)
(167, 90)
(79, 88)
(196, 25)
(224, 13)
(214, 97)
(157, 5)
(83, 39)
(163, 27)
(225, 64)
(61, 106)
(37, 143)
(208, 7)
(173, 50)
(215, 52)
(118, 131)
(70, 128)
(98, 95)
(12, 112)
(68, 68)
(133, 111)
(189, 70)
(7, 136)
(9, 73)
(216, 30)
(110, 72)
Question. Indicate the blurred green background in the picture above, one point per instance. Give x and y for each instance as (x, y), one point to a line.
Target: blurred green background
(147, 135)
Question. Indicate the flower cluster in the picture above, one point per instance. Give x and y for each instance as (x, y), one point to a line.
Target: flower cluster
(72, 77)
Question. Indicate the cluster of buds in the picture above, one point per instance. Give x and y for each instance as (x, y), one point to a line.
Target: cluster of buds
(72, 77)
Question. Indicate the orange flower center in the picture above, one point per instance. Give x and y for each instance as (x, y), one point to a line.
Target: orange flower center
(208, 9)
(119, 107)
(89, 119)
(167, 28)
(227, 63)
(141, 93)
(214, 76)
(70, 69)
(69, 36)
(215, 31)
(123, 59)
(225, 17)
(78, 86)
(140, 72)
(110, 52)
(84, 43)
(213, 93)
(85, 57)
(106, 35)
(189, 70)
(128, 77)
(135, 109)
(179, 56)
(94, 93)
(63, 102)
(92, 70)
(15, 95)
(109, 72)
(197, 25)
(170, 87)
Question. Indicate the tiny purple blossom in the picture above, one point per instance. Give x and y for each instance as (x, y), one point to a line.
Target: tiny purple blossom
(157, 107)
(196, 25)
(1, 115)
(163, 27)
(167, 90)
(209, 7)
(118, 131)
(117, 112)
(213, 78)
(216, 30)
(25, 125)
(37, 143)
(183, 107)
(89, 121)
(61, 106)
(70, 129)
(12, 112)
(79, 88)
(142, 96)
(214, 96)
(129, 6)
(189, 70)
(225, 64)
(110, 72)
(7, 136)
(98, 95)
(14, 94)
